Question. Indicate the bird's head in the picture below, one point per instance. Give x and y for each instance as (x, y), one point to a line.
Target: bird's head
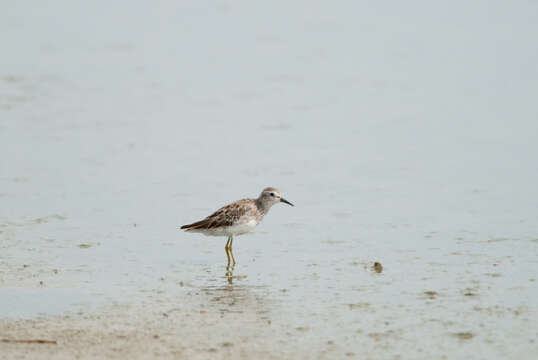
(271, 196)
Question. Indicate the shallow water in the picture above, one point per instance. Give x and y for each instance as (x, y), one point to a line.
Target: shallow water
(403, 135)
(20, 302)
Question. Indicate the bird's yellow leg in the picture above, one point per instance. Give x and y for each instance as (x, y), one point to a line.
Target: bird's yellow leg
(230, 247)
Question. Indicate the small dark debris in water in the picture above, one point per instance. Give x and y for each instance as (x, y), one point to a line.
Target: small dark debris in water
(227, 344)
(378, 267)
(302, 328)
(431, 294)
(84, 246)
(330, 342)
(25, 265)
(46, 219)
(468, 293)
(12, 78)
(56, 271)
(268, 322)
(155, 336)
(165, 314)
(181, 283)
(464, 335)
(212, 350)
(41, 283)
(134, 224)
(359, 305)
(162, 278)
(32, 341)
(350, 354)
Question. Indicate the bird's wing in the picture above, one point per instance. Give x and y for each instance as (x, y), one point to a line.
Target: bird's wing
(225, 216)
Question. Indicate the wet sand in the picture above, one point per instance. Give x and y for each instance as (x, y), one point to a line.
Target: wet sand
(161, 330)
(322, 307)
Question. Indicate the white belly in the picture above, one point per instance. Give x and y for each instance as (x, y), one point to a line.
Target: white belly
(233, 230)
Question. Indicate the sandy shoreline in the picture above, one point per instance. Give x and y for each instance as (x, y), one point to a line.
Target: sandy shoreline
(121, 307)
(216, 323)
(235, 321)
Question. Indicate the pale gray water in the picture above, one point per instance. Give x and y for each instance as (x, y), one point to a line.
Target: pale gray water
(403, 133)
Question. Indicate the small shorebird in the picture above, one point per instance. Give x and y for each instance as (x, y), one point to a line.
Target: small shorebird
(237, 218)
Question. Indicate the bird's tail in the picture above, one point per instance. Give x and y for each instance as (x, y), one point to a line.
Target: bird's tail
(194, 226)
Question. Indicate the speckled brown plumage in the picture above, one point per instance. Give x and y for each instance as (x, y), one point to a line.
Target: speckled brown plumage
(229, 215)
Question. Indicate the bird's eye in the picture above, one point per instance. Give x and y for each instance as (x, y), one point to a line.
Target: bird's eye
(272, 194)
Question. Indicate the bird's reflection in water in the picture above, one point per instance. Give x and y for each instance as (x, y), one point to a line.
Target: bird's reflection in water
(235, 294)
(231, 264)
(230, 272)
(229, 251)
(232, 296)
(229, 275)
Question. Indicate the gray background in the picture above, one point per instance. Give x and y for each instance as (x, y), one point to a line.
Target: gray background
(404, 132)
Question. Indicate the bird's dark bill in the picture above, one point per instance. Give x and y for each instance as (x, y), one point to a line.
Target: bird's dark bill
(286, 201)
